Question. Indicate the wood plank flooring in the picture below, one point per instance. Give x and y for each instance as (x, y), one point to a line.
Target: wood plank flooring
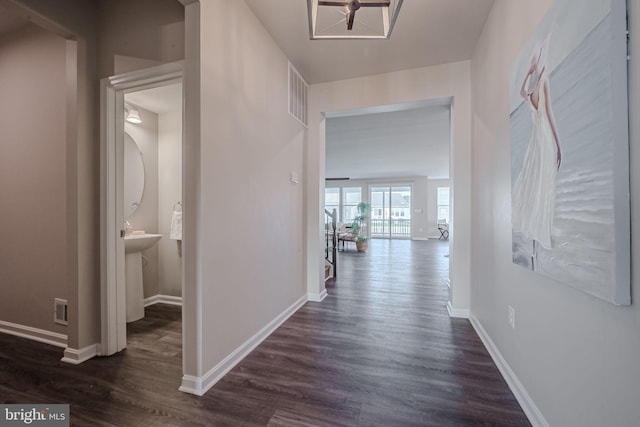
(379, 351)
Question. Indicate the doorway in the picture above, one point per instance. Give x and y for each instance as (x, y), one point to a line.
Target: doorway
(114, 92)
(156, 129)
(332, 124)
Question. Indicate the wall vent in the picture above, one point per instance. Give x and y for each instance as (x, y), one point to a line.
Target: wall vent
(60, 311)
(298, 96)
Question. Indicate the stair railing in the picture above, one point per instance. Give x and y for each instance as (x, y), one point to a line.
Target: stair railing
(331, 239)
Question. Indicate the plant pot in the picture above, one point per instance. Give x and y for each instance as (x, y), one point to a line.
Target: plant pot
(362, 246)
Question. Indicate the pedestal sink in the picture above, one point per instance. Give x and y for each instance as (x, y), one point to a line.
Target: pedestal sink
(133, 247)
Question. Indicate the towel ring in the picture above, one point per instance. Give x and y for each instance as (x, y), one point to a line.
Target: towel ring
(177, 205)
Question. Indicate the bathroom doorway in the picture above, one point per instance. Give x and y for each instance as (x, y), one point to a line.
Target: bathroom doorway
(142, 197)
(153, 121)
(153, 216)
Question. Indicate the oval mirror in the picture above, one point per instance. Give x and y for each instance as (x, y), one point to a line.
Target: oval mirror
(133, 176)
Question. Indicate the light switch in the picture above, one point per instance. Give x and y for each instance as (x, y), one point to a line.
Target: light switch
(295, 178)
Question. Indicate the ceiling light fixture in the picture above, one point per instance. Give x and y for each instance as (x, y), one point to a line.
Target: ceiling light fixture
(132, 115)
(336, 19)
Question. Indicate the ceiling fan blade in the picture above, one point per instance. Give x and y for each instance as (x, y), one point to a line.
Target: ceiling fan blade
(332, 3)
(383, 3)
(352, 15)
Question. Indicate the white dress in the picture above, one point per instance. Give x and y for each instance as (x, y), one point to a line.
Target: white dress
(533, 197)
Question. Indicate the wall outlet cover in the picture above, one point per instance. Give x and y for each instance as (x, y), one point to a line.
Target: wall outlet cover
(60, 311)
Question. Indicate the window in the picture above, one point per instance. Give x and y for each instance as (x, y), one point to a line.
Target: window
(332, 199)
(350, 199)
(443, 204)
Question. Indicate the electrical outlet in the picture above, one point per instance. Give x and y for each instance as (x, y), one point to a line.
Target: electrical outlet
(511, 319)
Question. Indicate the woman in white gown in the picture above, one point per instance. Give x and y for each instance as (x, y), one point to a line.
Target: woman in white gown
(534, 192)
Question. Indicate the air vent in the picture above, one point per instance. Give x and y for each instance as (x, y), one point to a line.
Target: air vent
(298, 93)
(60, 311)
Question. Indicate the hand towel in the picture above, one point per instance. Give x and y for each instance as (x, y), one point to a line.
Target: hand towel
(176, 226)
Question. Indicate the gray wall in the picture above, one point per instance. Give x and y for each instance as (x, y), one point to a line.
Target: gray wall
(132, 29)
(76, 20)
(169, 192)
(33, 177)
(135, 30)
(576, 355)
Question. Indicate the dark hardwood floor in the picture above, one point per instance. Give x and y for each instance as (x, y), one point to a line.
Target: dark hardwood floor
(380, 350)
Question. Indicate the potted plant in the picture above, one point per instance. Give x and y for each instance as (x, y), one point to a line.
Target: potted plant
(359, 226)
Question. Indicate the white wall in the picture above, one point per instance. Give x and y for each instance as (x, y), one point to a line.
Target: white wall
(251, 229)
(145, 217)
(33, 177)
(169, 193)
(420, 208)
(430, 83)
(576, 356)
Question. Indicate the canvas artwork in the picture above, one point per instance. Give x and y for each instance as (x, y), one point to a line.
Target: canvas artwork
(569, 149)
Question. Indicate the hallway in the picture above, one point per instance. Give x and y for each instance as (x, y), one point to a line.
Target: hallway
(413, 363)
(380, 350)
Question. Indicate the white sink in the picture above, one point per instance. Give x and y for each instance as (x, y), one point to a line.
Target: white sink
(140, 242)
(133, 246)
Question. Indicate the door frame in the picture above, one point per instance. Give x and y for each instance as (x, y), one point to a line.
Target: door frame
(112, 271)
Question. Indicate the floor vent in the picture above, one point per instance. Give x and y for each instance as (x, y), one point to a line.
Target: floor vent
(298, 96)
(60, 311)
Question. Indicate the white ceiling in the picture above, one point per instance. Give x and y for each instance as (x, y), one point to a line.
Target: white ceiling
(427, 32)
(160, 100)
(412, 142)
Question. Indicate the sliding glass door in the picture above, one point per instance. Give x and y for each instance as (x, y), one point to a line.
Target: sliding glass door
(391, 211)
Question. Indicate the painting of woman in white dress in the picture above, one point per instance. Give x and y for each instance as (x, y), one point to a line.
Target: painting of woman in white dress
(534, 192)
(570, 214)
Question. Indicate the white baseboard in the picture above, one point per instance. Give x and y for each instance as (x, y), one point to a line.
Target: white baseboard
(457, 312)
(35, 334)
(200, 385)
(528, 406)
(317, 297)
(192, 385)
(419, 238)
(76, 357)
(163, 299)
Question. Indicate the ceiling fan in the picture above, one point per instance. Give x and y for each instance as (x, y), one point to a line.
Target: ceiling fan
(352, 7)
